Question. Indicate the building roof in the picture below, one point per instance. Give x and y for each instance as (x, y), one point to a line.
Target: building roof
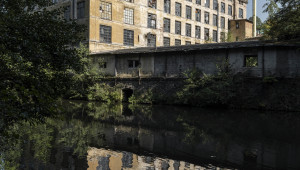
(199, 47)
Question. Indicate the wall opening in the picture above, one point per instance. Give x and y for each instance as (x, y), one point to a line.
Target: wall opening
(126, 94)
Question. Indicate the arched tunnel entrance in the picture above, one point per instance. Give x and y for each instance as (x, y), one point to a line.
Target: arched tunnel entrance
(126, 94)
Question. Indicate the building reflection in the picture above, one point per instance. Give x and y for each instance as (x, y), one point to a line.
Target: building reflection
(105, 159)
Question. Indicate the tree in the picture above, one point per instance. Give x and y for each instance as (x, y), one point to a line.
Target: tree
(284, 24)
(37, 56)
(258, 23)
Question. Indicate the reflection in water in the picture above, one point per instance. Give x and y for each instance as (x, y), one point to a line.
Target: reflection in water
(100, 136)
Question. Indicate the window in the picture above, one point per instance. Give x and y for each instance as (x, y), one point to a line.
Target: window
(197, 32)
(178, 9)
(151, 40)
(241, 13)
(102, 64)
(250, 61)
(189, 0)
(206, 34)
(131, 1)
(222, 37)
(223, 22)
(230, 10)
(236, 38)
(223, 7)
(166, 25)
(215, 36)
(237, 25)
(54, 1)
(188, 12)
(152, 3)
(167, 6)
(105, 10)
(177, 42)
(198, 15)
(177, 27)
(207, 3)
(188, 29)
(215, 20)
(80, 10)
(198, 2)
(166, 41)
(128, 37)
(67, 13)
(188, 43)
(133, 63)
(215, 5)
(128, 16)
(206, 17)
(151, 20)
(105, 34)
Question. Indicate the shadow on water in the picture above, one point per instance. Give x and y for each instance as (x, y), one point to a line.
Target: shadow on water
(101, 136)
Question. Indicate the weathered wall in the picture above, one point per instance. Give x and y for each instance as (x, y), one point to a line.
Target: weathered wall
(280, 61)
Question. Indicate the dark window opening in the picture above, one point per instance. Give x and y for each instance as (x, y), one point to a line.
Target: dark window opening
(198, 15)
(128, 37)
(166, 41)
(188, 30)
(126, 94)
(167, 6)
(105, 10)
(177, 42)
(250, 61)
(133, 63)
(178, 9)
(177, 27)
(105, 34)
(67, 13)
(102, 65)
(152, 3)
(151, 40)
(80, 10)
(206, 17)
(166, 25)
(188, 12)
(151, 20)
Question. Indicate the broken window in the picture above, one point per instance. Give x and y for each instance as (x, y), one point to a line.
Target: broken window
(151, 40)
(241, 13)
(188, 12)
(223, 7)
(177, 42)
(188, 43)
(128, 16)
(207, 3)
(102, 64)
(222, 37)
(166, 25)
(223, 22)
(198, 2)
(133, 63)
(166, 41)
(151, 20)
(188, 30)
(250, 61)
(131, 1)
(67, 13)
(80, 9)
(152, 3)
(198, 15)
(230, 10)
(128, 37)
(105, 10)
(105, 34)
(215, 20)
(178, 27)
(197, 32)
(237, 25)
(206, 17)
(215, 36)
(178, 9)
(167, 6)
(215, 5)
(206, 34)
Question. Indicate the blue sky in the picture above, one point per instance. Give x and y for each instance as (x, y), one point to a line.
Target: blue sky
(259, 9)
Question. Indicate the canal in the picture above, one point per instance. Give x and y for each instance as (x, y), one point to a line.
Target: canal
(89, 135)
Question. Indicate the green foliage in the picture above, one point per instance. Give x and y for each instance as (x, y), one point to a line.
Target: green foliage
(104, 92)
(37, 55)
(207, 90)
(144, 96)
(259, 24)
(283, 22)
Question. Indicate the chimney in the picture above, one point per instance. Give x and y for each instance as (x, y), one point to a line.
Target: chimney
(254, 17)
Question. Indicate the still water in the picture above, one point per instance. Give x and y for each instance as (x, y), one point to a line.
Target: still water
(100, 136)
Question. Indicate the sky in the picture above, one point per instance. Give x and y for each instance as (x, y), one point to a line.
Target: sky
(259, 9)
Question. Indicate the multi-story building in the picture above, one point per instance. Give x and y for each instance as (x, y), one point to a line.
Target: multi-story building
(117, 24)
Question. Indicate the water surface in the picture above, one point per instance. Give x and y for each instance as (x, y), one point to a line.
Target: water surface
(100, 136)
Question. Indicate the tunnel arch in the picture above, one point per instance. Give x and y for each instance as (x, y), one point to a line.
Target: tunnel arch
(126, 94)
